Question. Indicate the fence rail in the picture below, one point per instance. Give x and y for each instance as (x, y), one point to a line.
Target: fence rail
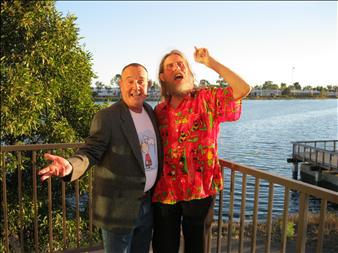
(40, 205)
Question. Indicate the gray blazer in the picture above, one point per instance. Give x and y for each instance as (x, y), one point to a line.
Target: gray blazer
(119, 176)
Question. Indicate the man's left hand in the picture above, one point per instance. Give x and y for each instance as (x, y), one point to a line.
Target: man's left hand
(201, 55)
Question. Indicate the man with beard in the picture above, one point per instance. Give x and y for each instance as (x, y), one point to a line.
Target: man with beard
(189, 120)
(123, 176)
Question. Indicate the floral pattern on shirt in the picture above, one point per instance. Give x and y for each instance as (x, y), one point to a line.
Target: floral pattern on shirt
(189, 133)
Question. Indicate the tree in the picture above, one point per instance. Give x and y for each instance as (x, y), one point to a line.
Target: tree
(308, 87)
(45, 75)
(45, 97)
(269, 85)
(204, 83)
(99, 85)
(155, 85)
(283, 86)
(221, 82)
(330, 87)
(287, 91)
(115, 81)
(297, 86)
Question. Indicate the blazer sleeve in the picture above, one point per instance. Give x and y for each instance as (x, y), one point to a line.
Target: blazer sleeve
(95, 146)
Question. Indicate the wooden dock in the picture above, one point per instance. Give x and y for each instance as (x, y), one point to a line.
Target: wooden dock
(319, 162)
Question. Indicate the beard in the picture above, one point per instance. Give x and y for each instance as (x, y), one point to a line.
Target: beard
(180, 90)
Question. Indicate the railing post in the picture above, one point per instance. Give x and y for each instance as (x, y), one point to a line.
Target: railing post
(323, 209)
(255, 212)
(50, 215)
(77, 208)
(90, 204)
(242, 215)
(220, 221)
(231, 210)
(4, 202)
(269, 220)
(302, 222)
(285, 219)
(35, 203)
(64, 210)
(19, 157)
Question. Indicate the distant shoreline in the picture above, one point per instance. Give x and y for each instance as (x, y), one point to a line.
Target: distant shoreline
(114, 99)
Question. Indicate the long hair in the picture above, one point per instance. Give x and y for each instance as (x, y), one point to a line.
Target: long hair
(164, 93)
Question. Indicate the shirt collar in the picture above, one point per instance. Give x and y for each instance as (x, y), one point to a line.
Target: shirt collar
(190, 95)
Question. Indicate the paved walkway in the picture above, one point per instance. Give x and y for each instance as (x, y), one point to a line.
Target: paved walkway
(260, 248)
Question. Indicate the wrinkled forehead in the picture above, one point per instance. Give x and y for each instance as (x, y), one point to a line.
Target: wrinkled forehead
(134, 72)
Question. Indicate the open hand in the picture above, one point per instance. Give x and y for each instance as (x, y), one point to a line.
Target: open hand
(201, 55)
(58, 167)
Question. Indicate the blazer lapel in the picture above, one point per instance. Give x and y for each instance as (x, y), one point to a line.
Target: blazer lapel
(129, 130)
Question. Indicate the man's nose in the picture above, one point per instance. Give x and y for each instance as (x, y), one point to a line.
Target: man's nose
(137, 86)
(176, 66)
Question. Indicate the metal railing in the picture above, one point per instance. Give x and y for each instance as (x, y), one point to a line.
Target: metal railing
(305, 191)
(321, 153)
(15, 160)
(20, 163)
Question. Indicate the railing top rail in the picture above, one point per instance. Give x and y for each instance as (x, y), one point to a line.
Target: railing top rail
(34, 147)
(316, 141)
(292, 184)
(313, 148)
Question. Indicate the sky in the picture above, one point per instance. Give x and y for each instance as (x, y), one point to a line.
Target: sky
(261, 41)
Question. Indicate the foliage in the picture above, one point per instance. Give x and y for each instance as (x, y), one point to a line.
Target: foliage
(21, 217)
(45, 98)
(115, 80)
(221, 81)
(269, 85)
(204, 83)
(45, 75)
(290, 228)
(99, 85)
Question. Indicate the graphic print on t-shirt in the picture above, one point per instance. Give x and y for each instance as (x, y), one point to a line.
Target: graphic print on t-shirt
(148, 151)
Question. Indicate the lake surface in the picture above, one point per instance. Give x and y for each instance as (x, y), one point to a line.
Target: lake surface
(262, 139)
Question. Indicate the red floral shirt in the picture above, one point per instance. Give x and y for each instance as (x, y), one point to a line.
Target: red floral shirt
(189, 133)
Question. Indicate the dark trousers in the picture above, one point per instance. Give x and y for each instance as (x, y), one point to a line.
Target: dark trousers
(195, 216)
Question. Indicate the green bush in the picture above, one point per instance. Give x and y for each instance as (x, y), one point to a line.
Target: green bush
(45, 98)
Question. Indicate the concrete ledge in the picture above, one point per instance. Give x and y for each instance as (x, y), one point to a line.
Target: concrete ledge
(324, 178)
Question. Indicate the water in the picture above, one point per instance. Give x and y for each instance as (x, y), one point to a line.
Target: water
(262, 139)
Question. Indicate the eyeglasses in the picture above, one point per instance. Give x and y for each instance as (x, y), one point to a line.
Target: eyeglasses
(171, 66)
